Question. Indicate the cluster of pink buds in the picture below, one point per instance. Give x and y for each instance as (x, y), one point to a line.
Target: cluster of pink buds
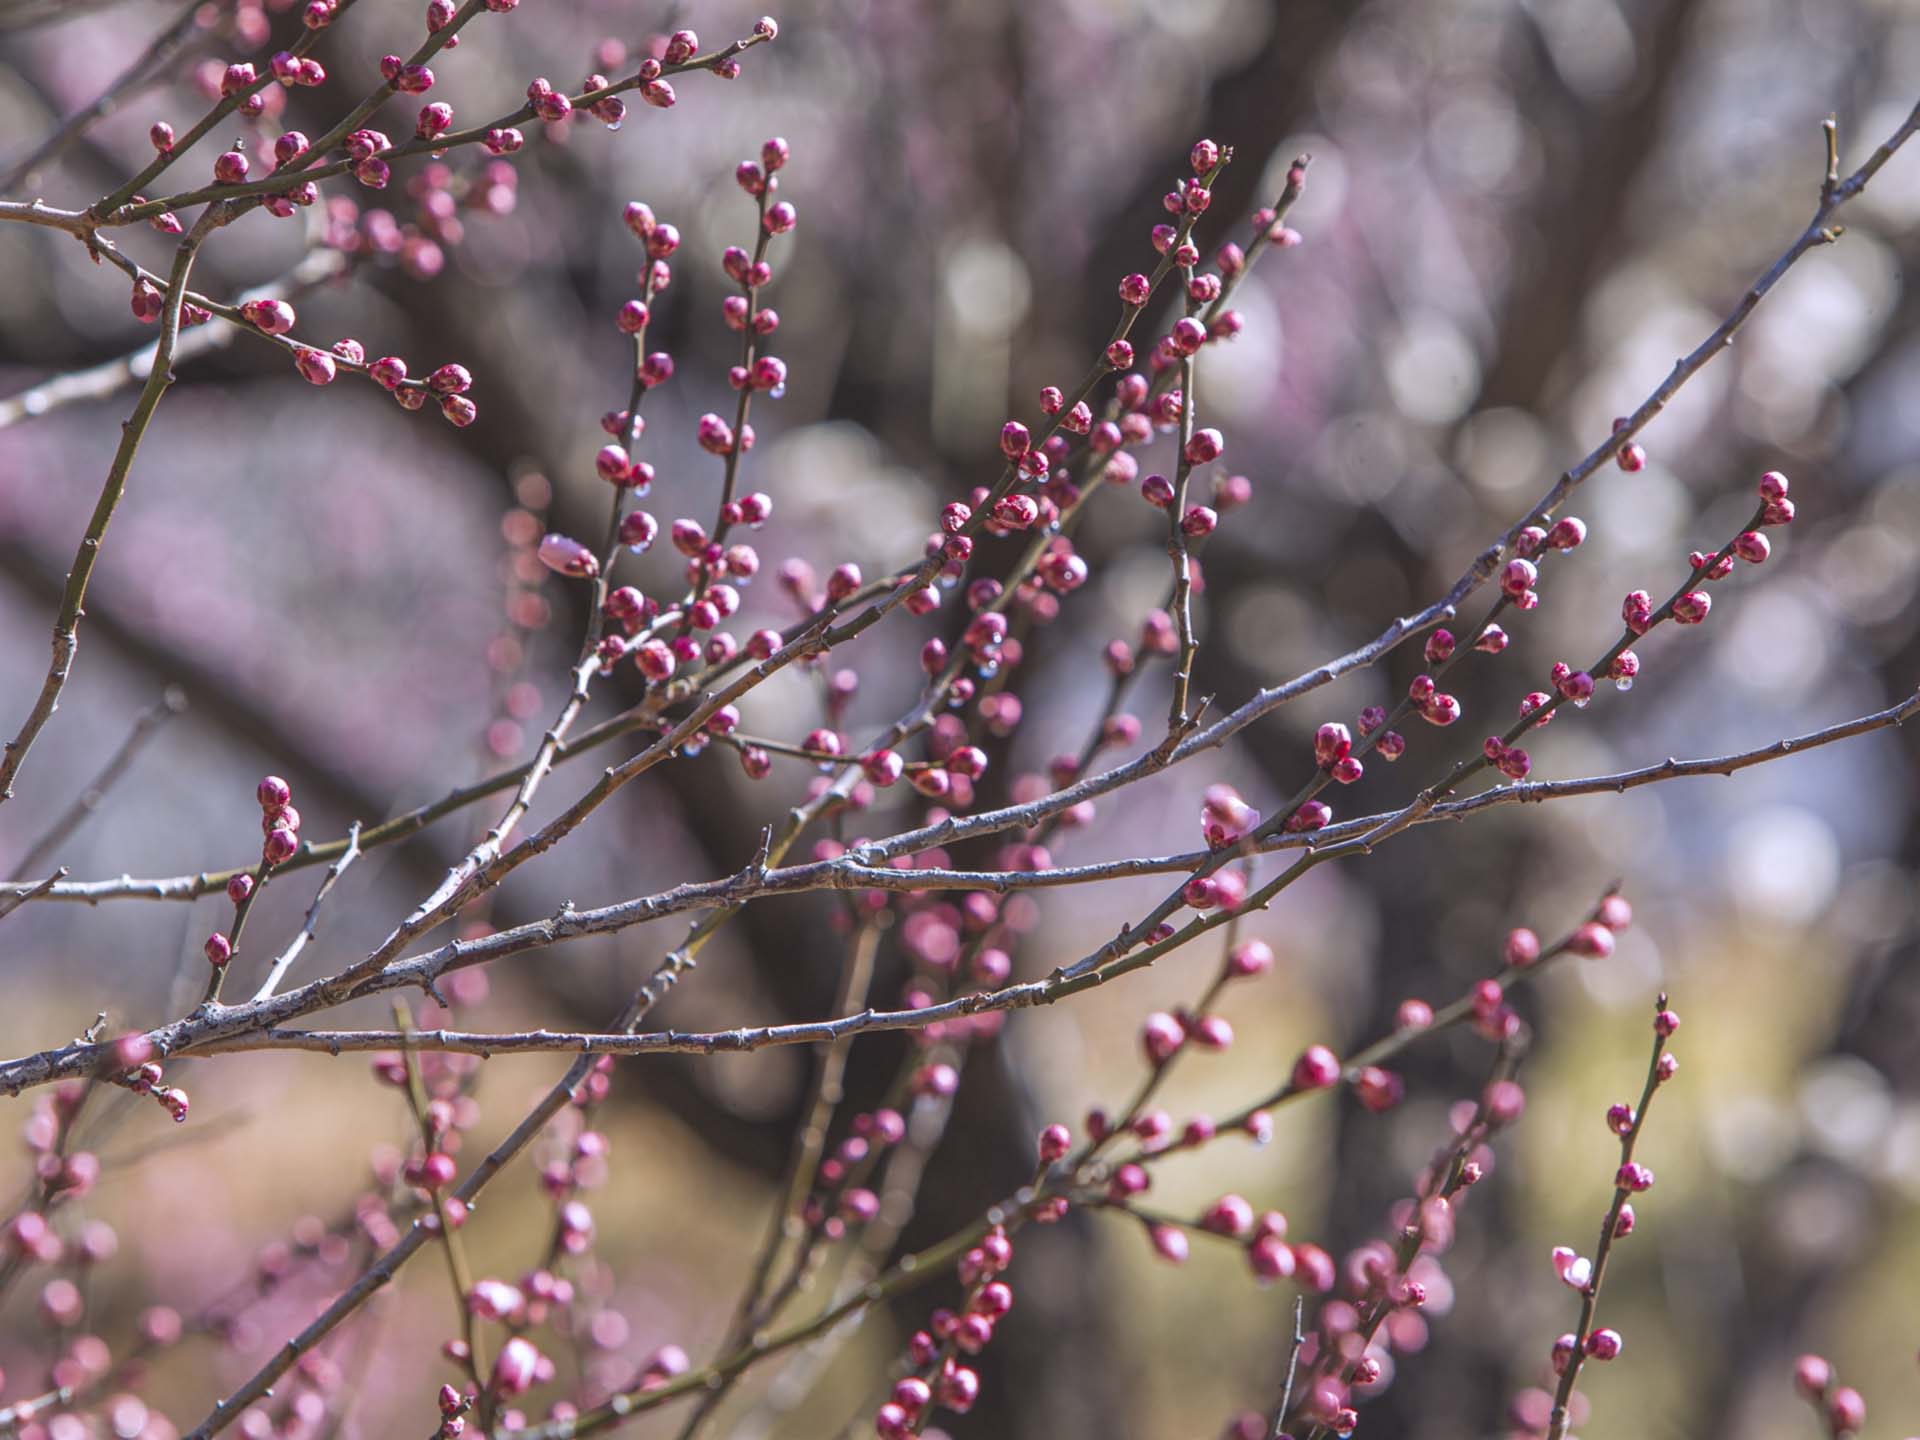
(280, 821)
(1392, 744)
(453, 1409)
(1224, 889)
(1692, 606)
(1520, 579)
(1517, 581)
(1163, 1035)
(518, 1368)
(1840, 1407)
(1225, 817)
(61, 1175)
(1600, 1344)
(366, 149)
(1510, 760)
(839, 1201)
(407, 79)
(290, 69)
(937, 1379)
(149, 301)
(582, 1166)
(1333, 753)
(1435, 706)
(141, 1073)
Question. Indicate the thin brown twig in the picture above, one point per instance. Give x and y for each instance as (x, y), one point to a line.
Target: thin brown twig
(1276, 1421)
(382, 1271)
(66, 626)
(137, 75)
(170, 704)
(459, 1273)
(245, 1027)
(13, 900)
(1262, 703)
(96, 382)
(754, 1307)
(115, 211)
(283, 962)
(1177, 720)
(1609, 1232)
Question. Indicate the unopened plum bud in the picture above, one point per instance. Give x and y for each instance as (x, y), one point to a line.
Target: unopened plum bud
(1592, 940)
(1161, 1036)
(1603, 1344)
(1692, 607)
(1316, 1069)
(1811, 1376)
(1250, 958)
(1055, 1141)
(567, 556)
(1519, 577)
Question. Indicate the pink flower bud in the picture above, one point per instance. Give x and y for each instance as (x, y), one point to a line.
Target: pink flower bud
(1519, 577)
(1205, 447)
(1811, 1376)
(1634, 1176)
(1379, 1090)
(567, 556)
(1250, 958)
(1603, 1344)
(1055, 1141)
(1316, 1069)
(1331, 742)
(1169, 1243)
(1592, 940)
(1576, 685)
(1846, 1411)
(1692, 607)
(316, 367)
(1311, 816)
(515, 1367)
(273, 317)
(1161, 1036)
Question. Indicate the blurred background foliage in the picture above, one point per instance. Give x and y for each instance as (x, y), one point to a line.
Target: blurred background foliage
(1518, 215)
